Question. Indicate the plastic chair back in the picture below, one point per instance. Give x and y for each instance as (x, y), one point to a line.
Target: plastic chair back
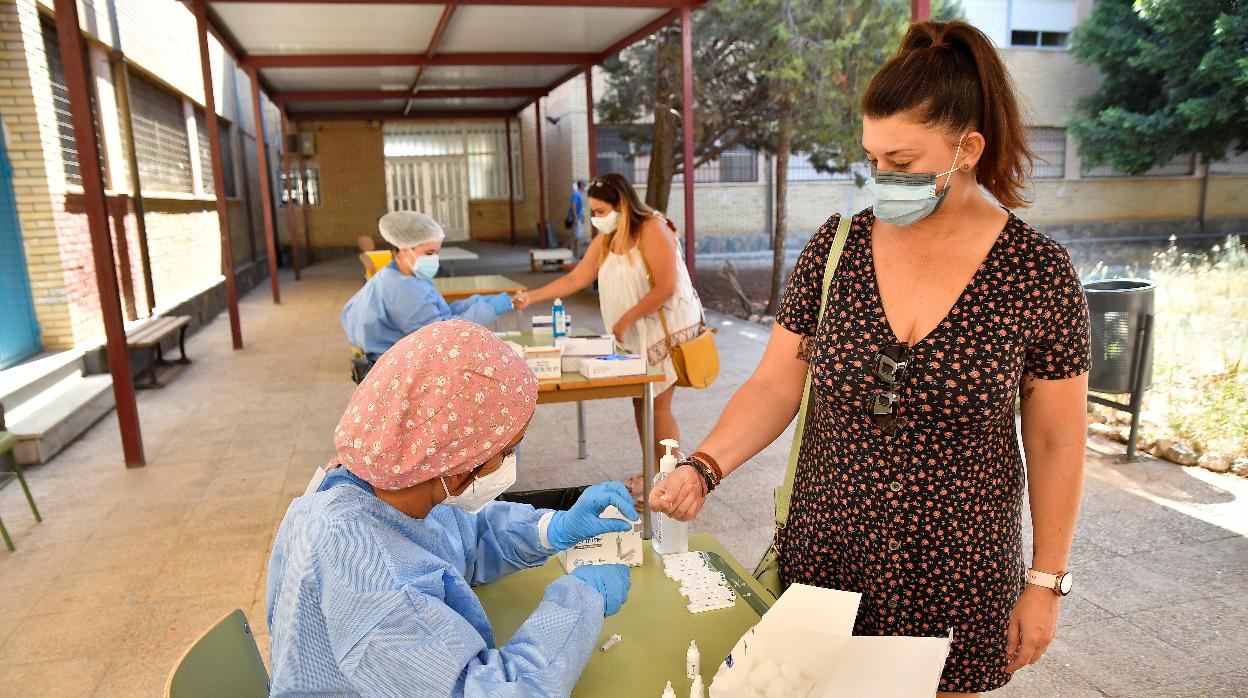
(224, 661)
(379, 259)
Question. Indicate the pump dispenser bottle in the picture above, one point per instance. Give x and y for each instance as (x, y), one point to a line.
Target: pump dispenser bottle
(556, 318)
(670, 536)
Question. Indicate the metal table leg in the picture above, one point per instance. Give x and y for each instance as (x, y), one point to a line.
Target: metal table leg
(582, 451)
(647, 457)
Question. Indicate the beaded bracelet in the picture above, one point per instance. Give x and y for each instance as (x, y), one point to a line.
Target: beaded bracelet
(703, 470)
(709, 460)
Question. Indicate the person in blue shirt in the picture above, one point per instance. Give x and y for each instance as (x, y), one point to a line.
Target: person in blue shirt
(576, 214)
(370, 580)
(401, 297)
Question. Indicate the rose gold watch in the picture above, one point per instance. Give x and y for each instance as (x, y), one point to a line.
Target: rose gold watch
(1060, 583)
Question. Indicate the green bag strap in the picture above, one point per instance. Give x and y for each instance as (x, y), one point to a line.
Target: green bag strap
(785, 492)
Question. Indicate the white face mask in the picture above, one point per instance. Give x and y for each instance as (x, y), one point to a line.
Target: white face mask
(484, 489)
(606, 224)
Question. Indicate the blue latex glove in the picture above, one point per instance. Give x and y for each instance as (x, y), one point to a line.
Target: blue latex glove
(582, 522)
(612, 581)
(499, 302)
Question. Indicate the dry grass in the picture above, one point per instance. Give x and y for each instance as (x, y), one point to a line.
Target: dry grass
(1200, 376)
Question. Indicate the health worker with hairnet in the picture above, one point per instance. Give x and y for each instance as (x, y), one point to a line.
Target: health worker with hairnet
(401, 298)
(369, 584)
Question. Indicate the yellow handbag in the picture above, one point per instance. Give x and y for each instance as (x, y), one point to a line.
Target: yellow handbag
(695, 360)
(768, 570)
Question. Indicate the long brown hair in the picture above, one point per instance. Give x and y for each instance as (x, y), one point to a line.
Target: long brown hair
(615, 190)
(949, 74)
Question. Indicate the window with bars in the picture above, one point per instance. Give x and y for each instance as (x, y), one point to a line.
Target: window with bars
(1182, 165)
(161, 143)
(484, 145)
(1049, 145)
(60, 104)
(302, 182)
(205, 154)
(801, 169)
(1043, 39)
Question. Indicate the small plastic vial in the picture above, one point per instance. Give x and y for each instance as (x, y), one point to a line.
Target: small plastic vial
(693, 661)
(698, 690)
(669, 692)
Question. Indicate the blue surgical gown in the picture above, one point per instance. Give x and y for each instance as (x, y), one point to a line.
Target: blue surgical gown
(393, 305)
(365, 600)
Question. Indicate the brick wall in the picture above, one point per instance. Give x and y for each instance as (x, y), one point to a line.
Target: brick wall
(183, 232)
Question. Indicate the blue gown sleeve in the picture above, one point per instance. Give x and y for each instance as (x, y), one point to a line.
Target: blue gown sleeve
(502, 538)
(405, 640)
(474, 309)
(411, 304)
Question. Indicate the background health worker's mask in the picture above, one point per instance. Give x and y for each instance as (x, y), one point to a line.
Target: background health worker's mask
(902, 198)
(606, 224)
(426, 266)
(484, 489)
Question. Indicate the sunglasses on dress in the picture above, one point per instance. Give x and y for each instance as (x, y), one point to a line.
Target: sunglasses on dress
(890, 367)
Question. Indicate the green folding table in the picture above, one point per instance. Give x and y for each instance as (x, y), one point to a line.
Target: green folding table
(655, 626)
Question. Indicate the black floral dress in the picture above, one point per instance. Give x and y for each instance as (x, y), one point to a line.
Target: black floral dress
(925, 522)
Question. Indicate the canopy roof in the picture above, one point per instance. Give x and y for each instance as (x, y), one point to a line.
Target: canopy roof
(423, 59)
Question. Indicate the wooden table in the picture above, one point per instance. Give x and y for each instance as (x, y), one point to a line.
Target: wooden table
(457, 288)
(654, 625)
(574, 387)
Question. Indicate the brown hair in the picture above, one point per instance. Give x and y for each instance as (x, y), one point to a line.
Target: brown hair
(949, 74)
(615, 190)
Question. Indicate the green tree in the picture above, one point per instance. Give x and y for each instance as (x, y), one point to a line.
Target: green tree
(1175, 81)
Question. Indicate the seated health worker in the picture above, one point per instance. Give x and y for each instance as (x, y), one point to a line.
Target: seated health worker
(401, 297)
(369, 582)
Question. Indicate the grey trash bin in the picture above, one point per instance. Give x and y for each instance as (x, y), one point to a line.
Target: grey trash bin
(1117, 310)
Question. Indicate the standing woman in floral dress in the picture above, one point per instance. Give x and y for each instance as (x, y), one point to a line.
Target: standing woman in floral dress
(943, 310)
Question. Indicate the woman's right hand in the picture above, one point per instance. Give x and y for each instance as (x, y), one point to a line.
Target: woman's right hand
(680, 495)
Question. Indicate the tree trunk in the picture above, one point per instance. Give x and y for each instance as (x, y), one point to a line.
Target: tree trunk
(784, 143)
(663, 136)
(1204, 192)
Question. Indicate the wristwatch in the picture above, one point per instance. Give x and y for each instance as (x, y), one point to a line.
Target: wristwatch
(1060, 583)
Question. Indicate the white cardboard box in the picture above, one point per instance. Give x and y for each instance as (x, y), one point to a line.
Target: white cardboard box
(607, 549)
(544, 362)
(598, 345)
(613, 366)
(571, 364)
(812, 628)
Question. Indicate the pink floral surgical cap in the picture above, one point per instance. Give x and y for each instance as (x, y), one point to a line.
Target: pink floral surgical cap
(441, 401)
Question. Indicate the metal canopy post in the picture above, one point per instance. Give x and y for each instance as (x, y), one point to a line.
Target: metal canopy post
(592, 136)
(70, 38)
(686, 88)
(920, 10)
(266, 193)
(511, 182)
(541, 178)
(290, 195)
(218, 173)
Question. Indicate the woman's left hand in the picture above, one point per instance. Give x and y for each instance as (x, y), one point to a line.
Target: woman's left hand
(1033, 622)
(621, 326)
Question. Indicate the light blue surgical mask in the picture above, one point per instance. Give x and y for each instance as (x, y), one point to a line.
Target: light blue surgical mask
(902, 198)
(426, 266)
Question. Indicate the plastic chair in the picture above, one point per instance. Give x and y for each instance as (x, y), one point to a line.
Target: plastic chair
(379, 259)
(224, 661)
(8, 441)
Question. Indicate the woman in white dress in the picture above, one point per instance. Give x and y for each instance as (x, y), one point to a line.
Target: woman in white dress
(634, 237)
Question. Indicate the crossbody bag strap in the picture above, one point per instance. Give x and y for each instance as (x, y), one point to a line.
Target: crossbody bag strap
(785, 494)
(667, 336)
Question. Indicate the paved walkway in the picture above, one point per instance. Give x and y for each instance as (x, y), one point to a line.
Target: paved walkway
(130, 565)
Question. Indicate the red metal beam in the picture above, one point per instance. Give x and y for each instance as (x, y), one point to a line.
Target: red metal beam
(290, 194)
(266, 193)
(686, 115)
(511, 183)
(373, 60)
(592, 137)
(398, 116)
(920, 10)
(218, 173)
(676, 4)
(73, 55)
(358, 95)
(541, 178)
(615, 48)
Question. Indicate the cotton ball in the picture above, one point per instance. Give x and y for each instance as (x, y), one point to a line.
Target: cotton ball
(777, 690)
(790, 675)
(756, 681)
(767, 669)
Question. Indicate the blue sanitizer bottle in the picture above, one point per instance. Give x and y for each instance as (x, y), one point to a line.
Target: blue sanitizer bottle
(556, 318)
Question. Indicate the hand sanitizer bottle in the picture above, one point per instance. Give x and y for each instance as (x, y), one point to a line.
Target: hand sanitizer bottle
(556, 319)
(670, 536)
